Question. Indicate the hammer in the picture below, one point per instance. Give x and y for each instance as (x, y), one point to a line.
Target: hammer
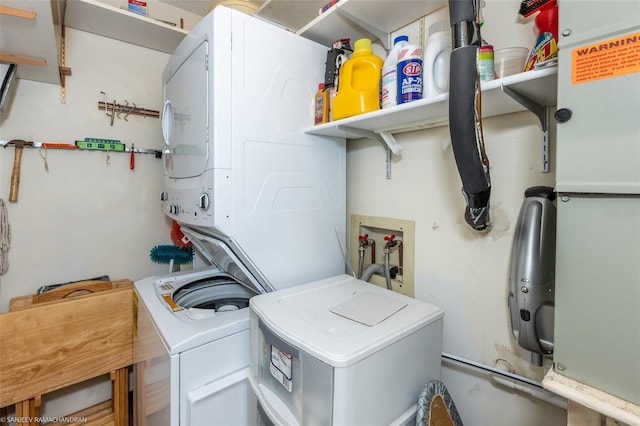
(15, 173)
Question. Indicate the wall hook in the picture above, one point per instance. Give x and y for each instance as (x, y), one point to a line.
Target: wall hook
(113, 112)
(106, 109)
(123, 108)
(131, 109)
(128, 109)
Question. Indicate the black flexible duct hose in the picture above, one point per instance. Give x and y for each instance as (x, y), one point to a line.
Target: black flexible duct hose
(465, 119)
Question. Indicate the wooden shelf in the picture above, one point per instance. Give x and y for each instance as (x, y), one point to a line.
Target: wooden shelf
(539, 86)
(30, 36)
(592, 398)
(100, 18)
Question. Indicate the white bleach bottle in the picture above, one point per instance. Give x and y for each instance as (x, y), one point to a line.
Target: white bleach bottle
(389, 81)
(437, 53)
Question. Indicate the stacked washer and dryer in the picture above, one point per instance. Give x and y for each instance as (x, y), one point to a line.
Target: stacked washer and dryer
(263, 204)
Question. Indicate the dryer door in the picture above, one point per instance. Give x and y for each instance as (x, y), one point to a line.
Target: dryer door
(185, 117)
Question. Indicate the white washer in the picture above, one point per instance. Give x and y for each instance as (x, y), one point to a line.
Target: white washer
(262, 202)
(190, 365)
(191, 346)
(342, 352)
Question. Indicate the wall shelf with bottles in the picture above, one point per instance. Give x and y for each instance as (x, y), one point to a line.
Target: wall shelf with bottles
(533, 91)
(538, 86)
(102, 19)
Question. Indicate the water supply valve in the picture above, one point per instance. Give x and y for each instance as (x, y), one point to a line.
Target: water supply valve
(391, 240)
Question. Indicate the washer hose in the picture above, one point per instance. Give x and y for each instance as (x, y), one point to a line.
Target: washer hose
(379, 269)
(465, 118)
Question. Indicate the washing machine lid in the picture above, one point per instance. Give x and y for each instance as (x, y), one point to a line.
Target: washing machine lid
(226, 255)
(341, 320)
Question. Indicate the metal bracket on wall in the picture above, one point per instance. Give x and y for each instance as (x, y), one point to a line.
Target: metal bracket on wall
(63, 69)
(386, 138)
(377, 32)
(544, 115)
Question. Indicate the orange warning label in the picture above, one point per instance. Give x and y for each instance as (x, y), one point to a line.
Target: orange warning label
(606, 59)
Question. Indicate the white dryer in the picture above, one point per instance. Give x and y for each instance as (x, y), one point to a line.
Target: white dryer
(262, 202)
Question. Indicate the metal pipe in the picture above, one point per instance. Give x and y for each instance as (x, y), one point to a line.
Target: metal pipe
(513, 381)
(387, 273)
(490, 369)
(372, 242)
(360, 260)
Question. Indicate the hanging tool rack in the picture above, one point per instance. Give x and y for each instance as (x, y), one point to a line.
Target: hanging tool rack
(88, 144)
(91, 144)
(115, 110)
(108, 145)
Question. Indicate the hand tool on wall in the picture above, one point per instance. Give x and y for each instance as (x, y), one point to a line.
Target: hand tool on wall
(15, 173)
(465, 118)
(336, 56)
(5, 238)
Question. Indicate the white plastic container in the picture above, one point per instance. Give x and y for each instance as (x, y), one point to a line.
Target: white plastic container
(509, 61)
(437, 53)
(389, 86)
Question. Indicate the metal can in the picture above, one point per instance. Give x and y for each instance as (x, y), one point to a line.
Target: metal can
(485, 62)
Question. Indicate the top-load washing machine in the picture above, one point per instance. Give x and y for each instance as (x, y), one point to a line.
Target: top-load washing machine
(343, 352)
(262, 202)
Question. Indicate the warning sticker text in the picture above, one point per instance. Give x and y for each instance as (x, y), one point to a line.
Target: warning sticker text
(606, 59)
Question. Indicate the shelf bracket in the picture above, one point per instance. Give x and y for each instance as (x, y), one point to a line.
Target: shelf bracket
(380, 34)
(544, 115)
(386, 138)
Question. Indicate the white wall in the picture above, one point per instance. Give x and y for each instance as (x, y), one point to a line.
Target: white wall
(84, 218)
(464, 271)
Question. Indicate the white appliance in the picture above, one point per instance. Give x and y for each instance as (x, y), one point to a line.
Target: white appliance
(262, 202)
(341, 351)
(597, 301)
